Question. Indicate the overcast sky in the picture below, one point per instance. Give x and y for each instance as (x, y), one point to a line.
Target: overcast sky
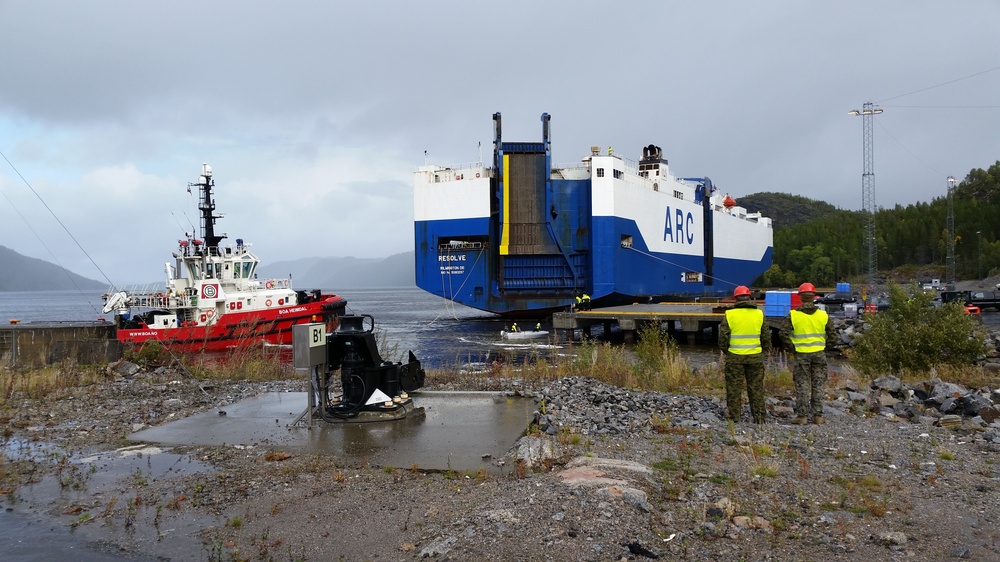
(315, 114)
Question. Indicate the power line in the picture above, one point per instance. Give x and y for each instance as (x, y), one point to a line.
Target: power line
(946, 106)
(910, 152)
(939, 85)
(46, 205)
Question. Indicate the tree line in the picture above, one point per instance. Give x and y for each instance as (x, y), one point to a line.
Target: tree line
(816, 242)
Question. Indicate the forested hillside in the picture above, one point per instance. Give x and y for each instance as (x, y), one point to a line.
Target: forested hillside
(786, 210)
(827, 247)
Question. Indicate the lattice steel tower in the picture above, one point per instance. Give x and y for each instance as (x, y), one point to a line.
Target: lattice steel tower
(868, 187)
(950, 261)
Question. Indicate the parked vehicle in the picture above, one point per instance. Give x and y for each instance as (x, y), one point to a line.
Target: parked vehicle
(985, 299)
(979, 299)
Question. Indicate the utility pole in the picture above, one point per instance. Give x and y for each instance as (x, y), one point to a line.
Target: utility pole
(950, 262)
(868, 187)
(979, 266)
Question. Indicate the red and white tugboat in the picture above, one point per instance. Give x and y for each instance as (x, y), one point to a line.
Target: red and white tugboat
(213, 300)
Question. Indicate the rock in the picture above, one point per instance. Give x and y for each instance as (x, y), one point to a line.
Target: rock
(639, 550)
(949, 421)
(890, 384)
(438, 547)
(848, 385)
(754, 522)
(943, 390)
(886, 399)
(891, 538)
(533, 450)
(960, 552)
(125, 369)
(948, 405)
(631, 496)
(989, 414)
(972, 403)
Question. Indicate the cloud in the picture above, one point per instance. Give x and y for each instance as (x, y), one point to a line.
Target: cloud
(315, 114)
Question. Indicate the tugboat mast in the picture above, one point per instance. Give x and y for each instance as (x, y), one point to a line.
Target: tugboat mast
(207, 206)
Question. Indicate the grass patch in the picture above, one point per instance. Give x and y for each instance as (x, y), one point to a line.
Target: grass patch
(764, 470)
(667, 464)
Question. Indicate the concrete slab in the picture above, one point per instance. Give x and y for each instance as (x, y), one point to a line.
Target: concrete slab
(462, 431)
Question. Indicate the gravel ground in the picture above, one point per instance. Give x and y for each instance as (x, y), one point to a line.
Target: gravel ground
(606, 474)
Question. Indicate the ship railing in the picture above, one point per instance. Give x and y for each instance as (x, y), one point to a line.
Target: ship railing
(462, 172)
(459, 245)
(266, 284)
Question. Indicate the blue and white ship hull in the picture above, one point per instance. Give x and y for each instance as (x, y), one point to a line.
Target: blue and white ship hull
(522, 238)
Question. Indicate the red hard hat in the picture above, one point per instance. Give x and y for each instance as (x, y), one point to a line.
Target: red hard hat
(740, 291)
(807, 288)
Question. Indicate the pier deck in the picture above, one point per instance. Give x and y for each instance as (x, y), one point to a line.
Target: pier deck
(687, 322)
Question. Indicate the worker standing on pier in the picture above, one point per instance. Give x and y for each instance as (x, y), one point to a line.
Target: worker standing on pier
(744, 336)
(806, 331)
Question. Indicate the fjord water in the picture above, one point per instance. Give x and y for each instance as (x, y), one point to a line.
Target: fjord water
(440, 333)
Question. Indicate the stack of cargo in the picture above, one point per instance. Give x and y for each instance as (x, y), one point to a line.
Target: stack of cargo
(780, 303)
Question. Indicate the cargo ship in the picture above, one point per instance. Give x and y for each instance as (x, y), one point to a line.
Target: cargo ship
(521, 237)
(213, 300)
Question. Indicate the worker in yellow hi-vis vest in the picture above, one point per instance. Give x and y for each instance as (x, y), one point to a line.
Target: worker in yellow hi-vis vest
(744, 336)
(806, 331)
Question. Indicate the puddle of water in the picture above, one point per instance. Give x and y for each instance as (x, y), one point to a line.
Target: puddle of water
(457, 430)
(26, 538)
(32, 528)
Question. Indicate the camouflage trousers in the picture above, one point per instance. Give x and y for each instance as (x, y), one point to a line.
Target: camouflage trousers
(809, 375)
(748, 370)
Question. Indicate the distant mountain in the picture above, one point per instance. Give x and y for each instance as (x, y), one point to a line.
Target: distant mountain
(21, 273)
(345, 273)
(784, 209)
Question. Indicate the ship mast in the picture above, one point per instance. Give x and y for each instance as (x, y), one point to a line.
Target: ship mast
(206, 205)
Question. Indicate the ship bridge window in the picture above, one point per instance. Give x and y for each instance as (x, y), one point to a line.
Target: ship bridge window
(619, 174)
(626, 241)
(600, 172)
(679, 195)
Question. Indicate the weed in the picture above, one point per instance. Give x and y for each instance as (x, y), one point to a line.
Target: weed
(175, 504)
(80, 520)
(765, 470)
(667, 465)
(721, 479)
(276, 456)
(235, 522)
(109, 507)
(946, 456)
(761, 450)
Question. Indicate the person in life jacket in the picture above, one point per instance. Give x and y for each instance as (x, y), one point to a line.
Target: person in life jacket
(806, 331)
(744, 336)
(513, 327)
